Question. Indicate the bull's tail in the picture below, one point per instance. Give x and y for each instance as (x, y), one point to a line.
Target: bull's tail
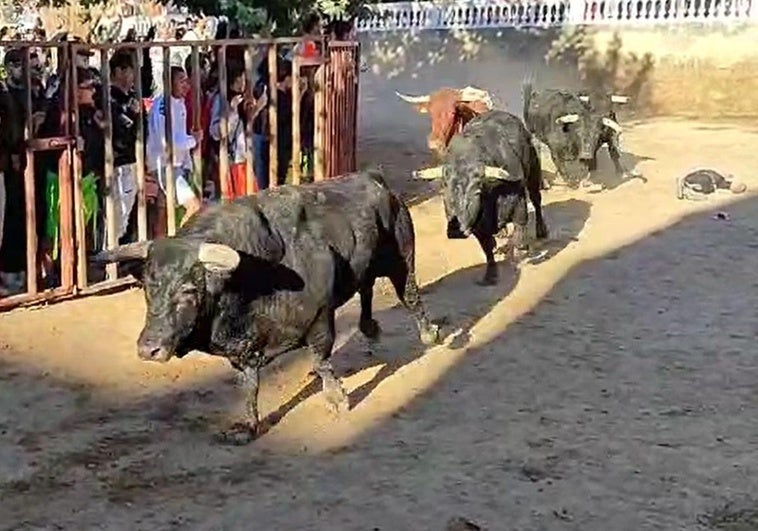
(403, 273)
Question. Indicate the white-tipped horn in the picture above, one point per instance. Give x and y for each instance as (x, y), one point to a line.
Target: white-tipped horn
(491, 172)
(613, 125)
(413, 99)
(218, 258)
(567, 119)
(585, 99)
(615, 98)
(129, 251)
(428, 173)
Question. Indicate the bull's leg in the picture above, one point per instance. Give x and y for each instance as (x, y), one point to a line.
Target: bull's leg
(368, 325)
(614, 151)
(320, 341)
(403, 278)
(251, 380)
(535, 196)
(487, 242)
(244, 432)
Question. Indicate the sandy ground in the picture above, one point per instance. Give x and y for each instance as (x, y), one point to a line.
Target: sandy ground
(610, 386)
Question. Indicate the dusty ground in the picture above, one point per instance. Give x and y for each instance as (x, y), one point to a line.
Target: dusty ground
(610, 387)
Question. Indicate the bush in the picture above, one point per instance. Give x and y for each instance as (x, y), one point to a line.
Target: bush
(602, 72)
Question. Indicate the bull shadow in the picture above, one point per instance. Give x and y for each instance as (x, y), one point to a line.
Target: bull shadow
(565, 221)
(606, 175)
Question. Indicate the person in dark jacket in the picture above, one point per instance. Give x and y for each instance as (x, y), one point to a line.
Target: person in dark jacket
(125, 111)
(261, 131)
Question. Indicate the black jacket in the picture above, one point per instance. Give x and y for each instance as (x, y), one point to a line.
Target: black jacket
(125, 123)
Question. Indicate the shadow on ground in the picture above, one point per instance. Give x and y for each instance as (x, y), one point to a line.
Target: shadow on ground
(624, 400)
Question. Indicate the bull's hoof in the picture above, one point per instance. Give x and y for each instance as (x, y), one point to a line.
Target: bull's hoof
(338, 401)
(541, 232)
(633, 174)
(239, 434)
(592, 187)
(370, 328)
(430, 335)
(489, 279)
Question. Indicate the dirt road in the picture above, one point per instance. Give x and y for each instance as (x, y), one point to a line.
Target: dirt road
(611, 386)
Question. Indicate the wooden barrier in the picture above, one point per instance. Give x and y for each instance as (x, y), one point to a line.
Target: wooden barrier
(333, 78)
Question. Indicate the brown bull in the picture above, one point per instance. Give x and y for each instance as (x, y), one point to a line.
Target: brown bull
(449, 109)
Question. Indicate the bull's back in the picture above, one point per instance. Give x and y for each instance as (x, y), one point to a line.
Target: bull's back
(495, 137)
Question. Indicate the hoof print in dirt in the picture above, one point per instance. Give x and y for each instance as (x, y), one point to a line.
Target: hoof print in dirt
(239, 434)
(462, 524)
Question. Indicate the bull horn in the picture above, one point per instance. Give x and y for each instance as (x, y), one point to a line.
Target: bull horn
(413, 99)
(567, 119)
(429, 173)
(612, 124)
(491, 172)
(218, 258)
(123, 253)
(615, 98)
(585, 99)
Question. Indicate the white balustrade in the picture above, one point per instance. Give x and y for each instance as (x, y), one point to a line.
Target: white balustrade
(478, 14)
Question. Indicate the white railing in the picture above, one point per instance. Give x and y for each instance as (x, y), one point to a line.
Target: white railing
(478, 14)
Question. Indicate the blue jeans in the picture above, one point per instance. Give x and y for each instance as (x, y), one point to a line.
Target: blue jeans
(260, 160)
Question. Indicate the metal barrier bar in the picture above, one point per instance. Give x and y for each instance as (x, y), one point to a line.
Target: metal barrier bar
(29, 188)
(197, 94)
(319, 126)
(65, 181)
(168, 145)
(79, 221)
(223, 155)
(139, 147)
(296, 95)
(110, 188)
(249, 153)
(273, 97)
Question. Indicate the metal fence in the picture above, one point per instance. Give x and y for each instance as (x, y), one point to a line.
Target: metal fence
(63, 216)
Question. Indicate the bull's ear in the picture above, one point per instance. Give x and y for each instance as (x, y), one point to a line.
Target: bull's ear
(218, 258)
(428, 174)
(123, 253)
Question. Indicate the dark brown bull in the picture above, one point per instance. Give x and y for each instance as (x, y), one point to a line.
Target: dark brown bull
(449, 110)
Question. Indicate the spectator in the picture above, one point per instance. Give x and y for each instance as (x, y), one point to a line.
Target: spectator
(91, 126)
(13, 250)
(311, 28)
(283, 119)
(241, 113)
(125, 110)
(183, 143)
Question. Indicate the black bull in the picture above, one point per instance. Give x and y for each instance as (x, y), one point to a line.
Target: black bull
(574, 126)
(264, 275)
(487, 171)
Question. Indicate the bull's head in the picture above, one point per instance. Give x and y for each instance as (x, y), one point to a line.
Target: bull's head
(449, 109)
(577, 139)
(463, 188)
(181, 278)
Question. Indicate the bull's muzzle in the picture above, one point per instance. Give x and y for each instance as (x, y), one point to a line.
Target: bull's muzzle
(150, 352)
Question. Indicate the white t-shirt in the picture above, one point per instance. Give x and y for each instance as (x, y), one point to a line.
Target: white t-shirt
(183, 142)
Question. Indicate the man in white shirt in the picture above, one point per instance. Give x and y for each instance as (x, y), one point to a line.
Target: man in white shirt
(183, 143)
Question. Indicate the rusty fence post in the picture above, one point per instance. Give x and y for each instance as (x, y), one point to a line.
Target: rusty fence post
(273, 97)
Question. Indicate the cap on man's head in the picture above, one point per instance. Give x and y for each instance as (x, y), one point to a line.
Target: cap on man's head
(13, 56)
